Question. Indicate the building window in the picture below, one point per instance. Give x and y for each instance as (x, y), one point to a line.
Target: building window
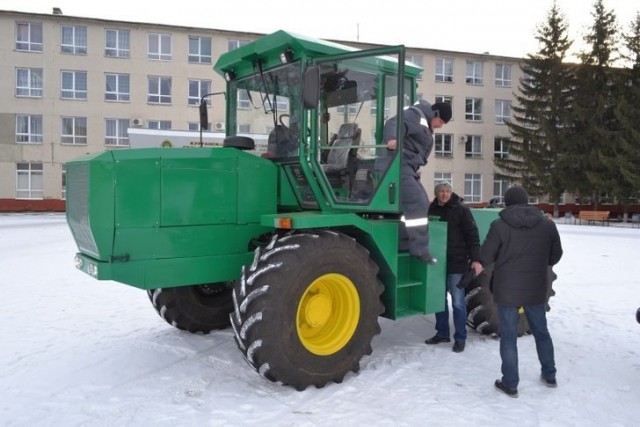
(472, 187)
(234, 44)
(73, 39)
(159, 90)
(563, 198)
(281, 104)
(199, 50)
(443, 145)
(503, 111)
(473, 146)
(243, 100)
(500, 148)
(443, 177)
(246, 128)
(29, 36)
(116, 132)
(195, 126)
(29, 129)
(159, 47)
(444, 98)
(499, 188)
(73, 85)
(117, 43)
(417, 60)
(117, 87)
(373, 109)
(198, 88)
(444, 69)
(29, 182)
(352, 109)
(29, 82)
(159, 124)
(503, 75)
(74, 131)
(473, 109)
(474, 72)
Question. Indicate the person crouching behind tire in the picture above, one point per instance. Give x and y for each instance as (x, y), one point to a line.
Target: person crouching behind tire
(463, 248)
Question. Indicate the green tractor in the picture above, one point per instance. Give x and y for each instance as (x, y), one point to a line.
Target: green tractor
(289, 232)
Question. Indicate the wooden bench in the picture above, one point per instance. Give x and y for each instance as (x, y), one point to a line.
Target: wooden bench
(593, 216)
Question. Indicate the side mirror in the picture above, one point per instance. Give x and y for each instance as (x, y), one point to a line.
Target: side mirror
(204, 115)
(311, 87)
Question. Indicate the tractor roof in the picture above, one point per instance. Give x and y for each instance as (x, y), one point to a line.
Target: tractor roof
(267, 49)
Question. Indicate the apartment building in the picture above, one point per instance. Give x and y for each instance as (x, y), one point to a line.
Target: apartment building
(72, 86)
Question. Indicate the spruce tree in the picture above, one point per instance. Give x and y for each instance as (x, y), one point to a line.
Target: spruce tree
(625, 156)
(536, 153)
(595, 123)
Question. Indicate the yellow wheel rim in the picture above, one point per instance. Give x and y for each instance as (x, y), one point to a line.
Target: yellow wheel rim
(328, 314)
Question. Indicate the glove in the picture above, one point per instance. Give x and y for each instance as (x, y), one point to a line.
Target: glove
(467, 279)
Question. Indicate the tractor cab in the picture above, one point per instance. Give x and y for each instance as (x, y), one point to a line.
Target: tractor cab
(317, 109)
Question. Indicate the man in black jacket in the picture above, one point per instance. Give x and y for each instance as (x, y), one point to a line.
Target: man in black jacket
(419, 122)
(463, 250)
(522, 243)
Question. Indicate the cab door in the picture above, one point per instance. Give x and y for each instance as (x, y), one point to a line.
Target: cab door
(359, 93)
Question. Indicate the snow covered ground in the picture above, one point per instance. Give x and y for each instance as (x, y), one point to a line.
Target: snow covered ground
(78, 352)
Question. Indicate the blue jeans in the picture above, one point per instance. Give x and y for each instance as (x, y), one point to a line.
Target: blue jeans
(459, 310)
(537, 317)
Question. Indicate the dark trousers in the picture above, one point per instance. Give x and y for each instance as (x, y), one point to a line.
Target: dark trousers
(415, 207)
(537, 317)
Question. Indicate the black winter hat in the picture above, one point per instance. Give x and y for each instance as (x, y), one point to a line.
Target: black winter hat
(442, 110)
(516, 195)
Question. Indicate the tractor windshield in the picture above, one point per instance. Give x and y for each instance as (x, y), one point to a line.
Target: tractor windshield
(265, 110)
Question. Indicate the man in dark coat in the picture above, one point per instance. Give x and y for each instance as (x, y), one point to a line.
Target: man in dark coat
(463, 252)
(522, 243)
(419, 122)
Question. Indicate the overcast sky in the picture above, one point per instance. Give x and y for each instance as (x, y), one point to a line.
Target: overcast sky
(500, 27)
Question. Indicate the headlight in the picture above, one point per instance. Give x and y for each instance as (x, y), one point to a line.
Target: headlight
(78, 262)
(92, 269)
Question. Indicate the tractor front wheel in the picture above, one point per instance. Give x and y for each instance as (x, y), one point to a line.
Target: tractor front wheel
(306, 309)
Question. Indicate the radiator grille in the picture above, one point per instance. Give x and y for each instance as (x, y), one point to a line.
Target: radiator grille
(78, 207)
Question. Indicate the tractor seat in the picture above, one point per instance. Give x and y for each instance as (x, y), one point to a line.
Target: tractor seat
(343, 148)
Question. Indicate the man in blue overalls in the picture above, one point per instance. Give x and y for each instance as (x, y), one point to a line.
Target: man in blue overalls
(419, 122)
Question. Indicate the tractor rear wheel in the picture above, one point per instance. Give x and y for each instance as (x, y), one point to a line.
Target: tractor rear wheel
(198, 308)
(482, 314)
(306, 309)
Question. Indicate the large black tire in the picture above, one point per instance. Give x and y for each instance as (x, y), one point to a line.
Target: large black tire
(482, 315)
(199, 308)
(307, 308)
